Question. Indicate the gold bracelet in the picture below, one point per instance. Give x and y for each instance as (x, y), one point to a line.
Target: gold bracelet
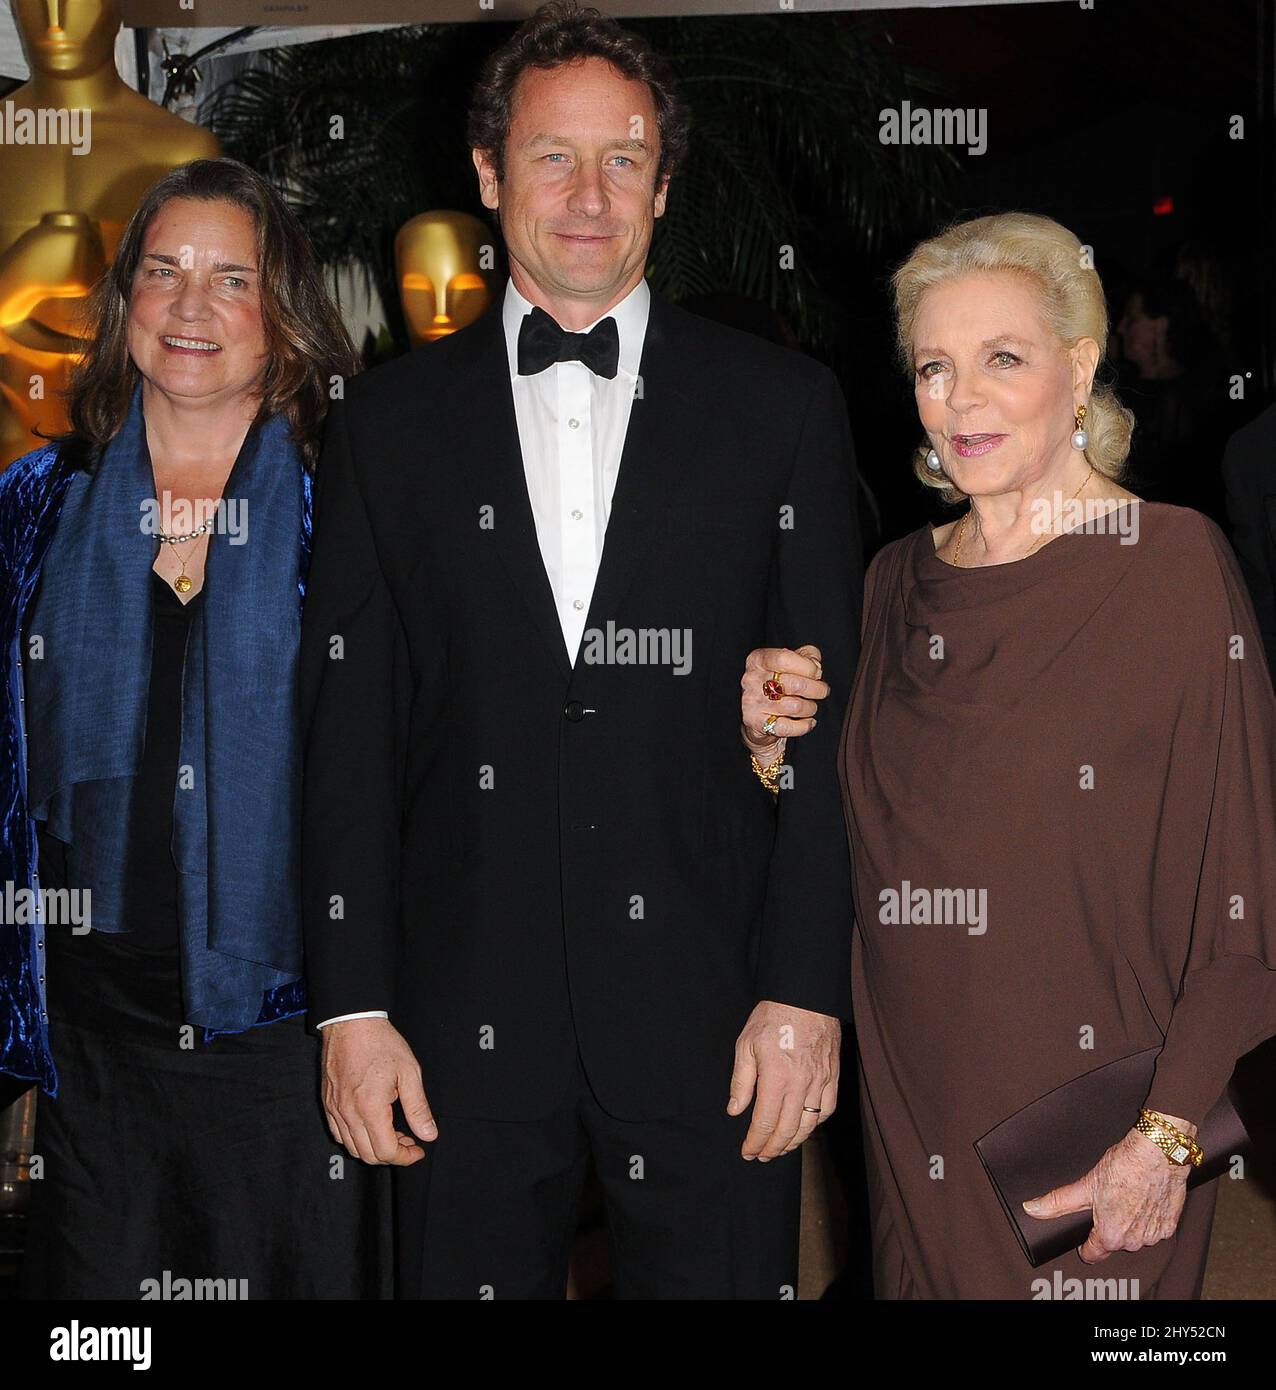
(767, 775)
(1178, 1147)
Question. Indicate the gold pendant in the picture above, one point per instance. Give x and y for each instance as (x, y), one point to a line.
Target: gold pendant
(182, 584)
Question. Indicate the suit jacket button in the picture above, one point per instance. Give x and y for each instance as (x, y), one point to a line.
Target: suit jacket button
(574, 710)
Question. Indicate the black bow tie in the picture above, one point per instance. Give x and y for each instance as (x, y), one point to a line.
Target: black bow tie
(541, 343)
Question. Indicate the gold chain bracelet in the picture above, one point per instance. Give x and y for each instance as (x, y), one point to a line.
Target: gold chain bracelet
(767, 775)
(1178, 1147)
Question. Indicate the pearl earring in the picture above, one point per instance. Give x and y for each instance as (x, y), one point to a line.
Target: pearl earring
(1079, 437)
(932, 460)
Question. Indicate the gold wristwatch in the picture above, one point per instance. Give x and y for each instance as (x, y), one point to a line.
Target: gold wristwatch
(1179, 1148)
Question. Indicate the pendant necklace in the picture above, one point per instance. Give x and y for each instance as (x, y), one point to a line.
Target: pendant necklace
(183, 581)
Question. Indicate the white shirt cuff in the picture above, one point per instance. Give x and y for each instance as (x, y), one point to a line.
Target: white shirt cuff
(341, 1018)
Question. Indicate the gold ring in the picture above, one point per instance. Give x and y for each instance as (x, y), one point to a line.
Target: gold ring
(769, 727)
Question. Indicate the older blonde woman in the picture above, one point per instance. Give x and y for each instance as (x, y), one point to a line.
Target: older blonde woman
(1062, 720)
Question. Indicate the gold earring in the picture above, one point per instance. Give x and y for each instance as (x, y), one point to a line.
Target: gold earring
(1080, 437)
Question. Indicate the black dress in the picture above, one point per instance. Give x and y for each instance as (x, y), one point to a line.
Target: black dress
(165, 1157)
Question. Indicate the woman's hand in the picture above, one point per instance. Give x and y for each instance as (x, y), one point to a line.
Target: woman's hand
(800, 675)
(1134, 1192)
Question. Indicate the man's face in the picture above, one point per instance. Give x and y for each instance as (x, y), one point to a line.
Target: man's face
(579, 199)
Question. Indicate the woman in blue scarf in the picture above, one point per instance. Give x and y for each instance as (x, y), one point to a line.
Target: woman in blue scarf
(152, 571)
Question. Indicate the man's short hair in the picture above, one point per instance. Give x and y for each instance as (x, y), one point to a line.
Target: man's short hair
(561, 32)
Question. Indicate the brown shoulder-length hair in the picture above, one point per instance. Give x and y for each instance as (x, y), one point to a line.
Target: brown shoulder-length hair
(563, 32)
(306, 342)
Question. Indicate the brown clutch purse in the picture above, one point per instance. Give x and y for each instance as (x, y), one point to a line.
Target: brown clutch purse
(1057, 1139)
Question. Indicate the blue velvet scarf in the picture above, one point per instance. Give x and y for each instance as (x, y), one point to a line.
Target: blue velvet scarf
(237, 801)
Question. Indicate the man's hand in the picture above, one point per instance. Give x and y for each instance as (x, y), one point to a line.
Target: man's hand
(791, 1056)
(367, 1065)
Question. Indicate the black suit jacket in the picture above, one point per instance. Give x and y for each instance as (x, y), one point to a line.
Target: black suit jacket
(513, 855)
(1249, 470)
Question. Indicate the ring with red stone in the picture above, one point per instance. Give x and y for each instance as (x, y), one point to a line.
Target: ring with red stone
(772, 689)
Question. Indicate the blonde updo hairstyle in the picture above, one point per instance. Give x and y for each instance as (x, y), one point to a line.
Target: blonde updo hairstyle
(1072, 304)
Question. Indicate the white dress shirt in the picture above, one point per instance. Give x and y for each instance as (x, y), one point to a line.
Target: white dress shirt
(571, 428)
(571, 425)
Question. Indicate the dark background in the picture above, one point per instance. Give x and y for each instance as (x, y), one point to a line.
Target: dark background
(1115, 121)
(1096, 119)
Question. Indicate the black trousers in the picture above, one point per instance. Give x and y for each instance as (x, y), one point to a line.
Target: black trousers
(211, 1164)
(491, 1211)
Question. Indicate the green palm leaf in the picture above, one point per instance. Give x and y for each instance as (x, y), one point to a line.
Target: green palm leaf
(784, 149)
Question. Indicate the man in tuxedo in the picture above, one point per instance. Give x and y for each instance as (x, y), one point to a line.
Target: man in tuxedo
(551, 911)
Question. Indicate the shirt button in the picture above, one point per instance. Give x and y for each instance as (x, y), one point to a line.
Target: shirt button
(578, 604)
(573, 424)
(577, 514)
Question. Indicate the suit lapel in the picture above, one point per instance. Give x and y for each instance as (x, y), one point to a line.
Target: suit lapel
(664, 423)
(486, 441)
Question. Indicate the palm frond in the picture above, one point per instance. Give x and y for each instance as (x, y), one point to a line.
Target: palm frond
(784, 149)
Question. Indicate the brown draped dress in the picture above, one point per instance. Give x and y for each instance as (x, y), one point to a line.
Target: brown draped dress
(1088, 737)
